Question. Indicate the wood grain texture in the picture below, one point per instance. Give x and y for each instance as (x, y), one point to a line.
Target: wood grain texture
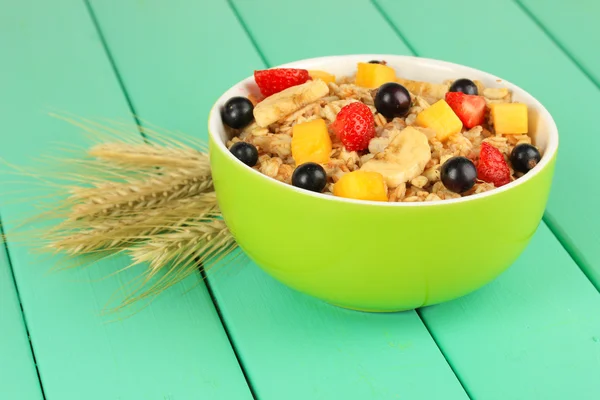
(574, 26)
(175, 348)
(532, 333)
(292, 346)
(18, 377)
(514, 48)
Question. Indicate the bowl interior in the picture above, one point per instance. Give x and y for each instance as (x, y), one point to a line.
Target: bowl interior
(542, 127)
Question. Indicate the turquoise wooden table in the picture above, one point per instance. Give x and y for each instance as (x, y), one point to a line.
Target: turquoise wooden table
(533, 333)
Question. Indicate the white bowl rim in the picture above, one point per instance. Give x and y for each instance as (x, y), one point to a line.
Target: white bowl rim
(214, 122)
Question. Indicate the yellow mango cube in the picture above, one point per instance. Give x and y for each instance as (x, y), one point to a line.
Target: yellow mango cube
(322, 75)
(311, 142)
(361, 185)
(441, 118)
(374, 75)
(509, 118)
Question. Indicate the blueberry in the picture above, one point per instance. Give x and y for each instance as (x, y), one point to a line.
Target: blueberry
(310, 176)
(458, 174)
(392, 100)
(524, 157)
(237, 112)
(464, 85)
(245, 152)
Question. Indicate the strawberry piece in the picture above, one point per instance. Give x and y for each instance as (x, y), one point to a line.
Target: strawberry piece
(271, 81)
(469, 108)
(354, 126)
(492, 166)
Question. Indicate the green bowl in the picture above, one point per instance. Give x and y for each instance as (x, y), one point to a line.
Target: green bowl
(374, 256)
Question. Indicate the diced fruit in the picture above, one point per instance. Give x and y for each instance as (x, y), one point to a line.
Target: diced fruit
(403, 159)
(392, 100)
(509, 118)
(271, 81)
(237, 112)
(289, 100)
(311, 142)
(470, 109)
(441, 119)
(458, 174)
(465, 86)
(354, 126)
(245, 152)
(492, 167)
(322, 75)
(371, 75)
(310, 176)
(524, 157)
(361, 185)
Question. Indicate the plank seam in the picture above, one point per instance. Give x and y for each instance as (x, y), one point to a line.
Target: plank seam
(560, 236)
(123, 88)
(571, 249)
(241, 21)
(414, 51)
(454, 371)
(557, 42)
(113, 65)
(18, 294)
(550, 222)
(229, 337)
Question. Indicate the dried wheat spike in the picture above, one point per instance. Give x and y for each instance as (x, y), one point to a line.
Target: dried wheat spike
(152, 192)
(147, 155)
(113, 232)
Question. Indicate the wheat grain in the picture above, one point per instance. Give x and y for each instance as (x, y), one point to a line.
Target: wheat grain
(178, 254)
(154, 202)
(75, 236)
(151, 192)
(140, 155)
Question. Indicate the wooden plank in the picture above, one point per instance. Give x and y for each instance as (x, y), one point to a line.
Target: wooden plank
(175, 348)
(574, 26)
(292, 346)
(533, 333)
(18, 377)
(524, 55)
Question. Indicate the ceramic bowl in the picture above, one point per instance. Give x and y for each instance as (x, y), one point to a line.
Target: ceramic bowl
(374, 256)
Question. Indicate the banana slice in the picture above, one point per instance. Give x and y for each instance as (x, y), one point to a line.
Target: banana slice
(282, 104)
(431, 92)
(404, 158)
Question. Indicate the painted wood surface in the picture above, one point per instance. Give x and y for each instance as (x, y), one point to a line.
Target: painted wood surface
(53, 58)
(574, 26)
(533, 333)
(292, 346)
(18, 377)
(524, 55)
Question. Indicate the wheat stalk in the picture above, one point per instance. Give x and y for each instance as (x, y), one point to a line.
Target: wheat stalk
(74, 236)
(155, 202)
(180, 253)
(152, 192)
(140, 155)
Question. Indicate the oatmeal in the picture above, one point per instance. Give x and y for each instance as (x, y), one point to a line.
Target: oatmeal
(377, 136)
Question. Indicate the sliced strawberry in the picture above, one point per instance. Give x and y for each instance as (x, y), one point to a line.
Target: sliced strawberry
(271, 81)
(469, 108)
(354, 126)
(492, 166)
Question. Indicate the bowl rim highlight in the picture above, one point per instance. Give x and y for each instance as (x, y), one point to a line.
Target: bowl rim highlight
(216, 126)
